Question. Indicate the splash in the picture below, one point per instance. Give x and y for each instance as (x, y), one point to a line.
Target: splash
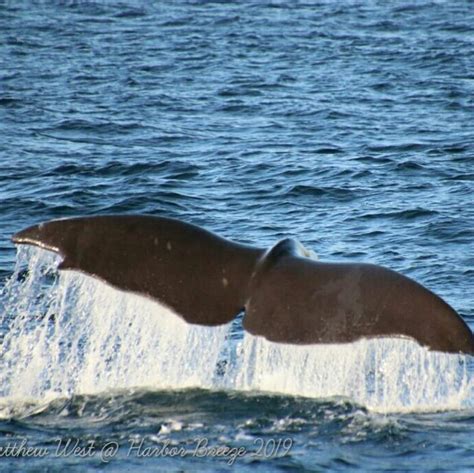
(71, 334)
(384, 375)
(67, 333)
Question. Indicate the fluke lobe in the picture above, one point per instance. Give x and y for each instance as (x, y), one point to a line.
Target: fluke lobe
(287, 297)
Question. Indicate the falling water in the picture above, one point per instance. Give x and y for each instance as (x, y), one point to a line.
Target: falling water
(67, 333)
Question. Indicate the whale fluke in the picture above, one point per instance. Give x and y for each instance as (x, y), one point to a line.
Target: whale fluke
(296, 300)
(197, 274)
(287, 297)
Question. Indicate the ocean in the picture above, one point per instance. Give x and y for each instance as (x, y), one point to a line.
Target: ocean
(345, 125)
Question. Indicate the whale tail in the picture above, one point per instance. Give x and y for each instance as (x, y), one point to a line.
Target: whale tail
(287, 297)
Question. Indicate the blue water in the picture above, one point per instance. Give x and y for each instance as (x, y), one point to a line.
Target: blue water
(347, 125)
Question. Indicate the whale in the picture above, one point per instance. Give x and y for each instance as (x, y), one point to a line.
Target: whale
(285, 294)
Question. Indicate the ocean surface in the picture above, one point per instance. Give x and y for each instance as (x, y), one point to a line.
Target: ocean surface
(346, 125)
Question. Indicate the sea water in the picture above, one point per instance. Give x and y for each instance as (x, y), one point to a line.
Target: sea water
(344, 124)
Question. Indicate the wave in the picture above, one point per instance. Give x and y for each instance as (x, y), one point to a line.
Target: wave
(408, 214)
(336, 193)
